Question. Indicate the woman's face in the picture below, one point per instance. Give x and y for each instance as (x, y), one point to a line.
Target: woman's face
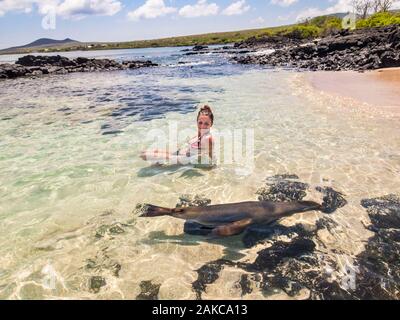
(204, 122)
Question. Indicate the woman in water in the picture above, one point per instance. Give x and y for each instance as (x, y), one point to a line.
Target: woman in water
(198, 150)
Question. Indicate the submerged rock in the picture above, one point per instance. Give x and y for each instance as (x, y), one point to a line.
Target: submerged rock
(140, 208)
(378, 276)
(95, 283)
(110, 230)
(245, 284)
(332, 199)
(306, 272)
(187, 200)
(208, 274)
(103, 265)
(384, 212)
(148, 291)
(283, 188)
(259, 234)
(198, 47)
(269, 258)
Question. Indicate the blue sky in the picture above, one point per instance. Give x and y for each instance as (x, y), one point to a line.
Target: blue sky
(22, 21)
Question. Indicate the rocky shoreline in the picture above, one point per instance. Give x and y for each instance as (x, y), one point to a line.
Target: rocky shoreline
(197, 50)
(359, 50)
(34, 66)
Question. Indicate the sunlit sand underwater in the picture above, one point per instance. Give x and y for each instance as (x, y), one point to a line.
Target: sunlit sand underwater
(70, 175)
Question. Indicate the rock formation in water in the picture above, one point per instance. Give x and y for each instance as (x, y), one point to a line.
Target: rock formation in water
(361, 49)
(268, 42)
(198, 50)
(148, 291)
(283, 188)
(32, 66)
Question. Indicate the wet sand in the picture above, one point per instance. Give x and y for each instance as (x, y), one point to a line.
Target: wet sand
(379, 87)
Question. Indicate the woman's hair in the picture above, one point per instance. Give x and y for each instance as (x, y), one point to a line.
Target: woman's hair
(206, 111)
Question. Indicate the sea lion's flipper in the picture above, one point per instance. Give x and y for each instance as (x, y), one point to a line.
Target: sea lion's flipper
(196, 229)
(155, 211)
(232, 229)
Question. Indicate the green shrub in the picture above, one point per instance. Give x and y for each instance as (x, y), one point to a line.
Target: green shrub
(326, 24)
(326, 21)
(264, 34)
(379, 20)
(302, 32)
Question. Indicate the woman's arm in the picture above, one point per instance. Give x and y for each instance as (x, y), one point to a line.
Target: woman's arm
(210, 147)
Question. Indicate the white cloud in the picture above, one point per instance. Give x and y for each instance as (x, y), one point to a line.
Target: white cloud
(339, 6)
(83, 8)
(309, 13)
(396, 4)
(201, 8)
(284, 3)
(15, 5)
(64, 8)
(259, 20)
(151, 9)
(236, 8)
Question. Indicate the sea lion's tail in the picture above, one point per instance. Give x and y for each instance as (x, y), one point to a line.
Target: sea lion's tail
(155, 211)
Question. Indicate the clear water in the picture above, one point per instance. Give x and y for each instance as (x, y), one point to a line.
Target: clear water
(69, 164)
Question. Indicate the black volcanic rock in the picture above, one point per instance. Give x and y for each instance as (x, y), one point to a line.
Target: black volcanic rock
(30, 61)
(267, 42)
(148, 291)
(31, 65)
(197, 48)
(361, 49)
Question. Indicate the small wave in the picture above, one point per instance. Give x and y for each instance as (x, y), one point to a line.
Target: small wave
(189, 64)
(262, 52)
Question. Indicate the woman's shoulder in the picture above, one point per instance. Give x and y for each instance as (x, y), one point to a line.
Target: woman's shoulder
(208, 138)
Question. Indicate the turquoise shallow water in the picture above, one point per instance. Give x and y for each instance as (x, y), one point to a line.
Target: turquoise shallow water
(69, 164)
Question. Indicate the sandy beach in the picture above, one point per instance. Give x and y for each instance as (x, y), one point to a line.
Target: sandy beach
(379, 87)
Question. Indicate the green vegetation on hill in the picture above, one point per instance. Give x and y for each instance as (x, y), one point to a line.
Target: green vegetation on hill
(379, 19)
(192, 40)
(311, 28)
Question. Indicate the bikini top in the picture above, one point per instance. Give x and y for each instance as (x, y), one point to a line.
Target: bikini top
(194, 144)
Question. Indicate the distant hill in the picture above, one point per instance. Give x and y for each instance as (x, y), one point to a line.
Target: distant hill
(41, 43)
(340, 15)
(46, 42)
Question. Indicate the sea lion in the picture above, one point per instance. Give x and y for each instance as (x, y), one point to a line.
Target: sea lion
(232, 219)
